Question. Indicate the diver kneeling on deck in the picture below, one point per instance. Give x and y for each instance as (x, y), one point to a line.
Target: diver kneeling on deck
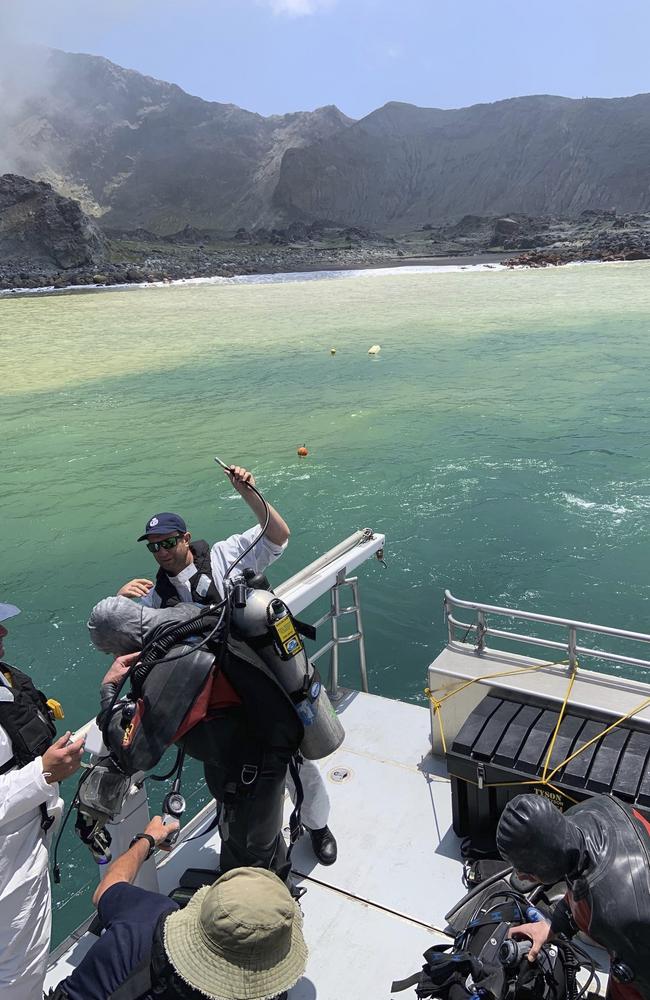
(601, 849)
(193, 571)
(238, 939)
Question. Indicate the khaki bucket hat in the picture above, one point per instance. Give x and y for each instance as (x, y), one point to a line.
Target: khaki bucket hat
(239, 939)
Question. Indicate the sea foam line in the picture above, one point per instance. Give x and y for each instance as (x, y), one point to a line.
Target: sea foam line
(286, 277)
(278, 277)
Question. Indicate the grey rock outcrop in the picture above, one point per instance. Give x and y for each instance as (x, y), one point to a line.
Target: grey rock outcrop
(41, 230)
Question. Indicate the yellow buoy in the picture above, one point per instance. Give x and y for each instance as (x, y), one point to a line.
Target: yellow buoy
(375, 349)
(332, 350)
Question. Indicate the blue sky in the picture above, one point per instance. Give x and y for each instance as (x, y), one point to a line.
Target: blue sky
(274, 56)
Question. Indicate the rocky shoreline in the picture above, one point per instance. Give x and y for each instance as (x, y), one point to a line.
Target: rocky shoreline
(46, 241)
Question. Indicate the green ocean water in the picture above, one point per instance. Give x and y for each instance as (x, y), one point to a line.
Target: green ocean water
(500, 440)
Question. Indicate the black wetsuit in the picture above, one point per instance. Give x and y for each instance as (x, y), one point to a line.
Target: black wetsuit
(257, 737)
(246, 750)
(610, 899)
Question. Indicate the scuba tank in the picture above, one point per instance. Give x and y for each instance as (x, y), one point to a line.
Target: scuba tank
(266, 623)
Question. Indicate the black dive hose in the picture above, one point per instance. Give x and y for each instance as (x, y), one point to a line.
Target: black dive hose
(578, 957)
(153, 653)
(573, 955)
(159, 646)
(267, 518)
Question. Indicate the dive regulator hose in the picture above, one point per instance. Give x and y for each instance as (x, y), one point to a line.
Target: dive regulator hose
(573, 955)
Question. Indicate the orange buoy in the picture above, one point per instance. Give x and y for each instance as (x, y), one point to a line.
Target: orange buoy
(302, 451)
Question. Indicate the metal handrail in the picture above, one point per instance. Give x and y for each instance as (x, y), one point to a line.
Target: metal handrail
(570, 646)
(332, 645)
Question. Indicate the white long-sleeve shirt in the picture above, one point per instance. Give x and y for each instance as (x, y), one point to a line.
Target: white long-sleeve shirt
(25, 907)
(222, 554)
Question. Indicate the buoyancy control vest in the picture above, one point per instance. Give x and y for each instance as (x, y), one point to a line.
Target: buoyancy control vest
(610, 900)
(174, 699)
(476, 957)
(28, 721)
(204, 589)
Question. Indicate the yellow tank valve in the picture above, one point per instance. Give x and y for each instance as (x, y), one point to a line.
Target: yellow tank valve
(55, 708)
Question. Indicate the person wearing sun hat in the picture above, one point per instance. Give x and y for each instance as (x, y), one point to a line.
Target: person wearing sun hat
(238, 939)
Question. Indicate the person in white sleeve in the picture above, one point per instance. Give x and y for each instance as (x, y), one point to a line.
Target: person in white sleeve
(32, 762)
(193, 571)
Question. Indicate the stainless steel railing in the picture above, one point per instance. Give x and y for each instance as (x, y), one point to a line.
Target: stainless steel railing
(481, 630)
(335, 613)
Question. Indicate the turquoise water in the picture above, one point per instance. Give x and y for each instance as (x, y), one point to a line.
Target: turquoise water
(500, 440)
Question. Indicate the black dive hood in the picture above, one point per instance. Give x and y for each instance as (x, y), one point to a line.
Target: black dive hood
(537, 839)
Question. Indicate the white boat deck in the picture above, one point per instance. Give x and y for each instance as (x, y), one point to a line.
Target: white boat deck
(369, 917)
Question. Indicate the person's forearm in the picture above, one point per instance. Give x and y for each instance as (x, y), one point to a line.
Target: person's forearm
(278, 529)
(124, 869)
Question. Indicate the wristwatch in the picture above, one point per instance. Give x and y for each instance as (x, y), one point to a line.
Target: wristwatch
(145, 836)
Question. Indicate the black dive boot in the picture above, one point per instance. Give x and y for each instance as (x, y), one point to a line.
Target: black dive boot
(323, 843)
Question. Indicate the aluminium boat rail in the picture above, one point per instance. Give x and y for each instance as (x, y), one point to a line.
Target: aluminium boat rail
(569, 646)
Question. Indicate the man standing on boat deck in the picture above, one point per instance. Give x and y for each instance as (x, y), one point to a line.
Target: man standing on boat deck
(601, 849)
(31, 765)
(194, 572)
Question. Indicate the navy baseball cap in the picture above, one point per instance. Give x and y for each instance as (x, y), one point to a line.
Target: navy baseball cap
(163, 524)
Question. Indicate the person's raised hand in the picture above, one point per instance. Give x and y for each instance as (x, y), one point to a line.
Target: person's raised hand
(139, 587)
(159, 830)
(62, 759)
(539, 933)
(240, 478)
(120, 667)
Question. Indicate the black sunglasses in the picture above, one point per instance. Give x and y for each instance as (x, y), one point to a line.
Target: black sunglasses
(166, 543)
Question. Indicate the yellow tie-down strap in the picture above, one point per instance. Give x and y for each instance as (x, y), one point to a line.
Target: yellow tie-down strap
(546, 779)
